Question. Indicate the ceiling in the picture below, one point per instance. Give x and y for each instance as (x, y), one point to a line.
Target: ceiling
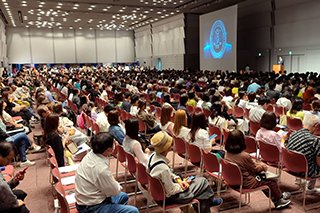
(99, 14)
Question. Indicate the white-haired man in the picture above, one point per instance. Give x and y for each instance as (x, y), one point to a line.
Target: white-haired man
(305, 142)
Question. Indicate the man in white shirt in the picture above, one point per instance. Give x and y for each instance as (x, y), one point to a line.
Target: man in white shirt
(255, 114)
(96, 189)
(102, 118)
(284, 101)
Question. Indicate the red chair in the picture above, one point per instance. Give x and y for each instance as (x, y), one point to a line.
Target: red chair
(251, 146)
(296, 163)
(270, 108)
(158, 113)
(207, 113)
(132, 168)
(8, 172)
(317, 130)
(270, 154)
(232, 176)
(190, 109)
(198, 109)
(294, 124)
(246, 113)
(95, 128)
(142, 126)
(254, 127)
(65, 207)
(157, 192)
(307, 107)
(121, 158)
(279, 110)
(179, 147)
(215, 130)
(54, 164)
(56, 177)
(142, 182)
(212, 167)
(238, 112)
(194, 155)
(225, 133)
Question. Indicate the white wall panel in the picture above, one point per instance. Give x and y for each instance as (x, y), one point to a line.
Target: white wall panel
(85, 46)
(106, 46)
(64, 46)
(124, 46)
(18, 42)
(41, 45)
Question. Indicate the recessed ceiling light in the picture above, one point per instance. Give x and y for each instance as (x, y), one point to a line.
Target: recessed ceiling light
(93, 6)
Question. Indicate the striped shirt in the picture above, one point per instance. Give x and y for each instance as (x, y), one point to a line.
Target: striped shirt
(304, 142)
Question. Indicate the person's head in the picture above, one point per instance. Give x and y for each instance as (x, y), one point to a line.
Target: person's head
(199, 121)
(235, 143)
(268, 120)
(161, 142)
(183, 99)
(264, 101)
(310, 121)
(296, 105)
(57, 108)
(135, 99)
(316, 105)
(180, 120)
(113, 117)
(251, 97)
(166, 113)
(51, 124)
(142, 104)
(43, 111)
(2, 106)
(102, 143)
(132, 128)
(6, 153)
(108, 108)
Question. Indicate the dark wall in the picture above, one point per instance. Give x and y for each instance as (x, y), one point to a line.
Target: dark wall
(191, 42)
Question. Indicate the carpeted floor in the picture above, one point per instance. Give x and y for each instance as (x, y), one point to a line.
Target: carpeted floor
(40, 197)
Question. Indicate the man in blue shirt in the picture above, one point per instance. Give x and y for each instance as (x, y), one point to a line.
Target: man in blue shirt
(253, 87)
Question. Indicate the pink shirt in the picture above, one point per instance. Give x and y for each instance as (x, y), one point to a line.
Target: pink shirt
(270, 137)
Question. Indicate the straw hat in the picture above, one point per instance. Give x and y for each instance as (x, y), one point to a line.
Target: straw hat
(161, 142)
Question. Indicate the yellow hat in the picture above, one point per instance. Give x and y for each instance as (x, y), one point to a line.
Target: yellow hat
(161, 142)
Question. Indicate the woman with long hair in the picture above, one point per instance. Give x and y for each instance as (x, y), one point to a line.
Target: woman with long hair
(54, 139)
(131, 142)
(180, 128)
(199, 134)
(165, 119)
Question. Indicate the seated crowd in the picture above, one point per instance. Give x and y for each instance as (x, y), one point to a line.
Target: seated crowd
(143, 111)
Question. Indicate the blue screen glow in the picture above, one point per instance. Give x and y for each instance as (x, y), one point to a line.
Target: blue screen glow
(217, 46)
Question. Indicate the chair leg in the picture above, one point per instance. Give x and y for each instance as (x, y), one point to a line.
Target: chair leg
(304, 196)
(269, 200)
(239, 202)
(173, 159)
(125, 179)
(135, 193)
(117, 167)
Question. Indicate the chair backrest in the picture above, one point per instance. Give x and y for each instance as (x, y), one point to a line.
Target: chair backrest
(142, 125)
(307, 107)
(180, 146)
(158, 113)
(246, 113)
(225, 134)
(53, 163)
(50, 152)
(269, 152)
(279, 110)
(251, 144)
(95, 128)
(231, 173)
(142, 175)
(64, 206)
(270, 108)
(198, 109)
(156, 189)
(294, 161)
(190, 109)
(194, 153)
(215, 130)
(131, 163)
(238, 112)
(254, 127)
(294, 123)
(121, 154)
(207, 112)
(55, 175)
(210, 162)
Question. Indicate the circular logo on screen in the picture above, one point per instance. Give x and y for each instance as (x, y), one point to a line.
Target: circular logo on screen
(218, 39)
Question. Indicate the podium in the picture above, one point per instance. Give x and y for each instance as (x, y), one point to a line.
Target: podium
(278, 68)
